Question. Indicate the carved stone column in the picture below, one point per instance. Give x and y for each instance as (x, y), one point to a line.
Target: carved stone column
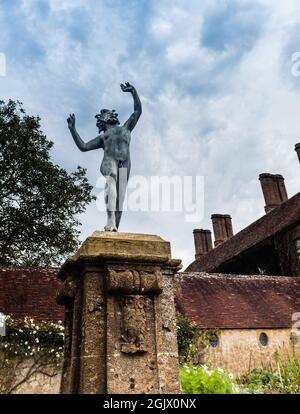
(120, 322)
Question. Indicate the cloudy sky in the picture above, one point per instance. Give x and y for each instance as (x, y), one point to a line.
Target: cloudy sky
(214, 76)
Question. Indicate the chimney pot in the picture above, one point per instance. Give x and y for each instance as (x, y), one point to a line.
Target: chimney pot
(274, 190)
(203, 242)
(297, 149)
(222, 225)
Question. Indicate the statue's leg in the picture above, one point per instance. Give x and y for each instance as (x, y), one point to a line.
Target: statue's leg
(109, 169)
(123, 176)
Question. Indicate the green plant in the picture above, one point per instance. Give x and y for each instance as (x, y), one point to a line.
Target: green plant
(27, 349)
(283, 378)
(27, 338)
(257, 380)
(187, 336)
(192, 341)
(202, 380)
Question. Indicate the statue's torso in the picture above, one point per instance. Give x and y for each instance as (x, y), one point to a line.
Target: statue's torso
(116, 143)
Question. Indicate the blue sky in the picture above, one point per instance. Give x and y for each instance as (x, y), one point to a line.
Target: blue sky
(214, 77)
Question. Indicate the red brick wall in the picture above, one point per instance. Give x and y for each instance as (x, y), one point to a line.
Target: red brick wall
(30, 292)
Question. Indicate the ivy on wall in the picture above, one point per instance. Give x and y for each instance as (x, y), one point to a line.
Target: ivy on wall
(193, 342)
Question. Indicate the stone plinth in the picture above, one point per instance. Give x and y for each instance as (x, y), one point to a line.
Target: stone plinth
(120, 322)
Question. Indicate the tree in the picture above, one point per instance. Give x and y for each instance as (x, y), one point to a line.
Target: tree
(39, 201)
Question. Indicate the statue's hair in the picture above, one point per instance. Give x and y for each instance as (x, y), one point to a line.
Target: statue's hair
(101, 117)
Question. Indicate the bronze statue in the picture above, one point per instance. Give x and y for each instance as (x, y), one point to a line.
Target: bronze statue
(115, 141)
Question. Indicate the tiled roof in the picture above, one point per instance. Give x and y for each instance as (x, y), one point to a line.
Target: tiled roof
(283, 216)
(211, 300)
(238, 302)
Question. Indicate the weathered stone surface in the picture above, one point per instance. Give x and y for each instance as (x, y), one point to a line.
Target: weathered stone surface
(47, 382)
(134, 281)
(123, 327)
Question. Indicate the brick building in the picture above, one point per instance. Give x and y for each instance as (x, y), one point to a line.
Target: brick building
(253, 316)
(270, 245)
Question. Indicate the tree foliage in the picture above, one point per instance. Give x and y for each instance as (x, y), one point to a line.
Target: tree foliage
(39, 201)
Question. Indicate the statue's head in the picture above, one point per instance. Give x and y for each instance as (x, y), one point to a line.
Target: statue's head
(106, 117)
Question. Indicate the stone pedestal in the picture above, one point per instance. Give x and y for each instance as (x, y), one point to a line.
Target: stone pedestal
(120, 322)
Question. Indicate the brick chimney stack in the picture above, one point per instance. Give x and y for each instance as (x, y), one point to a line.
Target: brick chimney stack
(203, 242)
(222, 225)
(297, 149)
(274, 190)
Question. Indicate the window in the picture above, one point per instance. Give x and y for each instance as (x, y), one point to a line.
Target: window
(297, 243)
(263, 339)
(214, 340)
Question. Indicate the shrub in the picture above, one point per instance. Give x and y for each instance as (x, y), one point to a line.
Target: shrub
(28, 338)
(187, 336)
(284, 379)
(193, 342)
(27, 349)
(202, 380)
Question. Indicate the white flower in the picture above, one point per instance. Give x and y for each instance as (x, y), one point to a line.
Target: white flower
(37, 340)
(220, 370)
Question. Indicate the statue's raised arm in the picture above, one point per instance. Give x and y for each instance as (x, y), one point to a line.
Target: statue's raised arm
(83, 146)
(132, 120)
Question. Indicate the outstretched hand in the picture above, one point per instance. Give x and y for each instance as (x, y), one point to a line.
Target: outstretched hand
(127, 87)
(71, 121)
